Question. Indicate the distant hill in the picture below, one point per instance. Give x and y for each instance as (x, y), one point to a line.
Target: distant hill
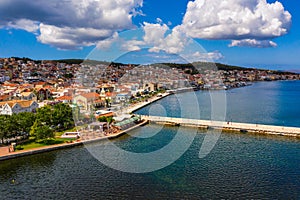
(192, 68)
(80, 61)
(198, 67)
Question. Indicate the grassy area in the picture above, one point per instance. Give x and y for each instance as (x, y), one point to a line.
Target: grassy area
(31, 144)
(58, 134)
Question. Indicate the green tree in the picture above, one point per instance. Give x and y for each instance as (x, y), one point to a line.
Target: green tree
(62, 116)
(44, 115)
(24, 121)
(102, 119)
(41, 131)
(4, 127)
(13, 125)
(59, 116)
(105, 119)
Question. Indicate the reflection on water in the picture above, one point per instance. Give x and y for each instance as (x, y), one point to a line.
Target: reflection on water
(273, 103)
(241, 166)
(11, 169)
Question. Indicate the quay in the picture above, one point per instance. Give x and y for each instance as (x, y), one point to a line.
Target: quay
(137, 106)
(5, 155)
(226, 126)
(140, 105)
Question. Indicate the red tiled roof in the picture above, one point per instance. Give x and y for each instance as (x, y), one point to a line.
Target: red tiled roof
(40, 83)
(91, 95)
(64, 98)
(4, 97)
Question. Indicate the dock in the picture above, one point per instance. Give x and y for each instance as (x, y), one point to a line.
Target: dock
(226, 126)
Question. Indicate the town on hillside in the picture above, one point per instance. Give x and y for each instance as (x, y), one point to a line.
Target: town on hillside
(26, 85)
(96, 92)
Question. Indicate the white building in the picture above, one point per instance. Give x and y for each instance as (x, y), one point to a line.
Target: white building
(17, 106)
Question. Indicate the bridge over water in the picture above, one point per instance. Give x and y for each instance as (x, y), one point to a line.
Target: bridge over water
(230, 126)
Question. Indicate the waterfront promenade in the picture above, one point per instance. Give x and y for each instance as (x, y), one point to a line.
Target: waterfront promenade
(5, 155)
(130, 109)
(206, 124)
(229, 126)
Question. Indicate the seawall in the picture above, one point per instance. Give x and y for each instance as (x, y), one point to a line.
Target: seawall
(228, 126)
(18, 154)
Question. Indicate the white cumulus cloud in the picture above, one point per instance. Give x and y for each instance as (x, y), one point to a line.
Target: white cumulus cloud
(157, 35)
(252, 43)
(132, 45)
(235, 19)
(24, 24)
(204, 56)
(107, 43)
(69, 24)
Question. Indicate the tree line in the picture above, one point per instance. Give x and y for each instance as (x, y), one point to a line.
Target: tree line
(40, 125)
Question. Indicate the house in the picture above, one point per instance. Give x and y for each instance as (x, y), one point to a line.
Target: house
(43, 94)
(17, 106)
(65, 99)
(88, 101)
(28, 96)
(150, 87)
(122, 97)
(5, 97)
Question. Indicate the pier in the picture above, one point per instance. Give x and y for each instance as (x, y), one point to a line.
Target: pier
(226, 126)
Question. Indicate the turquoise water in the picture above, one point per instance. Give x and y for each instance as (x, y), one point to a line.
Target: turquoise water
(240, 166)
(272, 103)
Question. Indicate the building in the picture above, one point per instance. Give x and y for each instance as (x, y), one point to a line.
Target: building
(88, 101)
(28, 96)
(17, 106)
(122, 97)
(65, 99)
(43, 94)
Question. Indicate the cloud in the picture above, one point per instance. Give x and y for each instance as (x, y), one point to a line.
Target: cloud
(157, 36)
(204, 56)
(252, 43)
(235, 19)
(67, 38)
(132, 45)
(107, 43)
(154, 33)
(24, 24)
(63, 22)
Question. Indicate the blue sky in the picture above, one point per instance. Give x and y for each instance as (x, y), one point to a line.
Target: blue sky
(252, 33)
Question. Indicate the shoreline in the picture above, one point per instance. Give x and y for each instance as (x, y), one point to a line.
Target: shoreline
(130, 109)
(18, 154)
(140, 105)
(260, 129)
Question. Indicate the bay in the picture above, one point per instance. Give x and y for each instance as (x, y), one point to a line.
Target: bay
(240, 166)
(271, 103)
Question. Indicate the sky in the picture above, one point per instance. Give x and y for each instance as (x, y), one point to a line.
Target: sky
(250, 33)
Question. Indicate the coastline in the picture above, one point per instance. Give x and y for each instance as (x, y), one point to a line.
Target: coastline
(137, 106)
(232, 127)
(21, 153)
(130, 109)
